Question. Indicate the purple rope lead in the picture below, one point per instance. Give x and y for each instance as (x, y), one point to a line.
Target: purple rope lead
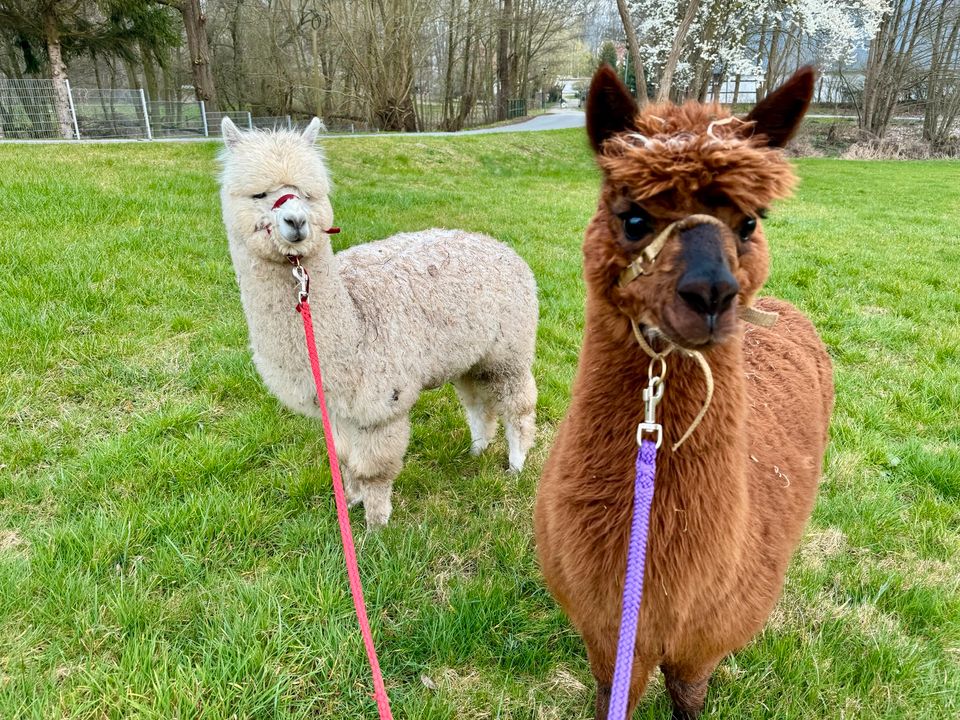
(633, 585)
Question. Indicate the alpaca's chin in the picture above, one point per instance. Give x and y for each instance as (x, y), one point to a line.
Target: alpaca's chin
(690, 331)
(283, 249)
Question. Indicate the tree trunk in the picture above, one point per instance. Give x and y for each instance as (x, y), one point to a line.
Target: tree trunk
(666, 81)
(503, 59)
(58, 71)
(149, 73)
(445, 120)
(633, 50)
(195, 24)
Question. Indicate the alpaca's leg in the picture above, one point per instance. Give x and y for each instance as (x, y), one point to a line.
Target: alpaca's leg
(601, 651)
(481, 417)
(640, 676)
(343, 433)
(687, 685)
(351, 487)
(376, 462)
(517, 406)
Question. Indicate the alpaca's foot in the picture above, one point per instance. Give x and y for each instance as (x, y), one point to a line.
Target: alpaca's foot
(688, 696)
(520, 436)
(481, 418)
(351, 489)
(478, 446)
(602, 707)
(377, 504)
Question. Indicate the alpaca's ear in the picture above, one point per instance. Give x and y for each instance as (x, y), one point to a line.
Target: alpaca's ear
(231, 133)
(611, 108)
(313, 129)
(778, 115)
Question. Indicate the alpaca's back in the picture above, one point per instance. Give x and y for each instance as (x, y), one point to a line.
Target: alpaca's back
(441, 301)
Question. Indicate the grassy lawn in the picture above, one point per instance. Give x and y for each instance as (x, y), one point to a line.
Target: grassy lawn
(168, 545)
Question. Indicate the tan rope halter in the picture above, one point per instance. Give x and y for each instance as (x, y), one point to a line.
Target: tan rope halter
(642, 265)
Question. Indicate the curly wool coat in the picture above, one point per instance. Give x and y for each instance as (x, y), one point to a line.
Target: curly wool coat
(392, 318)
(730, 505)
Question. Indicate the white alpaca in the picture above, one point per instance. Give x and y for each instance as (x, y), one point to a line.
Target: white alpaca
(392, 317)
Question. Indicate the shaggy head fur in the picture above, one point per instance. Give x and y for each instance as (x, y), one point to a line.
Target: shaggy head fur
(259, 168)
(668, 162)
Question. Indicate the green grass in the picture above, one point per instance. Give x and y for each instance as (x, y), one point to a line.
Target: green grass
(168, 547)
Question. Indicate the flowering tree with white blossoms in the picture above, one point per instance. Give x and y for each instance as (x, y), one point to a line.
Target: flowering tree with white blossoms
(685, 42)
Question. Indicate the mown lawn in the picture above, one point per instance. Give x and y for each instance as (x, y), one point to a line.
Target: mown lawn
(168, 545)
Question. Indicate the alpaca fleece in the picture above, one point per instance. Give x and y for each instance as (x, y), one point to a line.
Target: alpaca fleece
(392, 318)
(730, 505)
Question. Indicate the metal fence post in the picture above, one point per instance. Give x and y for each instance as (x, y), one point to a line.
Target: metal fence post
(146, 116)
(203, 114)
(73, 110)
(249, 121)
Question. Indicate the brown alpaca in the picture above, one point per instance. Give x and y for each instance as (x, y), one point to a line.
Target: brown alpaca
(731, 503)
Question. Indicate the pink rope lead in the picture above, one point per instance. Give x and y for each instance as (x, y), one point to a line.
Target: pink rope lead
(633, 586)
(343, 517)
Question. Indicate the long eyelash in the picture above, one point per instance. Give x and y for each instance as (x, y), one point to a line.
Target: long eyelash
(634, 210)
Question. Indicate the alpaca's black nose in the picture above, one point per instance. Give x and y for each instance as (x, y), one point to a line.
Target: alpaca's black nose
(296, 223)
(707, 286)
(708, 294)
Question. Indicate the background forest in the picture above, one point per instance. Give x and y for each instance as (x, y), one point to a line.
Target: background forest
(448, 64)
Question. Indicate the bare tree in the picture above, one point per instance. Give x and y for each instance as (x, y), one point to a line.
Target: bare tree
(890, 63)
(679, 40)
(194, 17)
(634, 51)
(943, 81)
(504, 59)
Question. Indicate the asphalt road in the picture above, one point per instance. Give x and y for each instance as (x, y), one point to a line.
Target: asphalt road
(552, 120)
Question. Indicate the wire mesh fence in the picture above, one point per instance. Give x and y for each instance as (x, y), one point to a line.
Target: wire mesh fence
(29, 110)
(273, 122)
(170, 119)
(40, 109)
(242, 120)
(106, 114)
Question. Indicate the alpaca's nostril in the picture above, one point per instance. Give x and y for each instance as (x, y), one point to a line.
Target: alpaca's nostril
(694, 300)
(296, 223)
(709, 296)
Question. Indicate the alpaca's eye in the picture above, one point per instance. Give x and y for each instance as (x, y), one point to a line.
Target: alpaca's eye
(747, 228)
(636, 226)
(259, 196)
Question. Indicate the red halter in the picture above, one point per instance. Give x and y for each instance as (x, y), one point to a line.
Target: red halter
(290, 196)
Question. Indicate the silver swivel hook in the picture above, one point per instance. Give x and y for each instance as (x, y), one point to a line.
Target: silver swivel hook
(302, 278)
(652, 395)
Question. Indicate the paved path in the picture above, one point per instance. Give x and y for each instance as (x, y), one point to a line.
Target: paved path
(551, 120)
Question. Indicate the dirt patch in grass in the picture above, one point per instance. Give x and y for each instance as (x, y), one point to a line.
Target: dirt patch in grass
(12, 541)
(821, 545)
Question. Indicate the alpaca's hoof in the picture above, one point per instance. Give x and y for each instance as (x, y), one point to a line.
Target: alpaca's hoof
(517, 461)
(377, 522)
(377, 512)
(478, 446)
(353, 494)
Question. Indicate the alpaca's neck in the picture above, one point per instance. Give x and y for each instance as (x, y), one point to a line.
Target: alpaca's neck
(707, 473)
(269, 295)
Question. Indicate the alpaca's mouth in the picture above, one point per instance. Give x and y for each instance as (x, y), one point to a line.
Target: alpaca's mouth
(695, 330)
